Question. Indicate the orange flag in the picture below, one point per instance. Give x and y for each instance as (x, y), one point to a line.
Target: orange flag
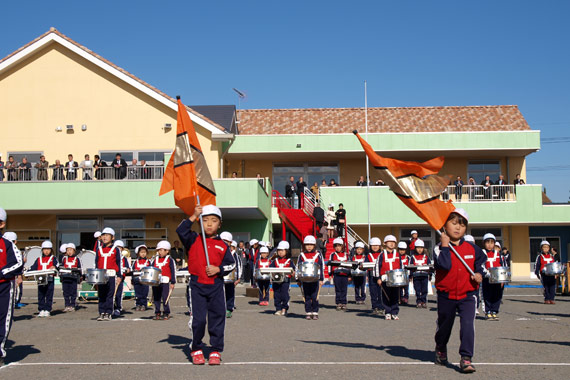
(187, 173)
(416, 184)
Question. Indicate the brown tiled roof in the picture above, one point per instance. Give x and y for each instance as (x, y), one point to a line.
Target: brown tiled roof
(400, 119)
(55, 31)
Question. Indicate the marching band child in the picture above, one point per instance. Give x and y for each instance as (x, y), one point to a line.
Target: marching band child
(108, 257)
(281, 289)
(162, 291)
(13, 237)
(311, 290)
(206, 289)
(413, 239)
(118, 300)
(45, 292)
(389, 260)
(375, 290)
(252, 258)
(403, 252)
(340, 274)
(359, 282)
(69, 283)
(263, 285)
(420, 277)
(456, 289)
(97, 236)
(141, 291)
(230, 287)
(548, 282)
(492, 293)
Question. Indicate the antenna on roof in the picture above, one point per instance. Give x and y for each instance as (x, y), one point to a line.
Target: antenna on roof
(241, 95)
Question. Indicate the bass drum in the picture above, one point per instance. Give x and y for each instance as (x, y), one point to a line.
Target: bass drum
(31, 254)
(87, 259)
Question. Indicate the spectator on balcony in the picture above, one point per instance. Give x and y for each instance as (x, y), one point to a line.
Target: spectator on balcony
(458, 188)
(98, 164)
(145, 170)
(519, 180)
(340, 220)
(1, 168)
(315, 190)
(120, 166)
(379, 182)
(319, 215)
(361, 181)
(234, 174)
(332, 182)
(472, 189)
(324, 183)
(57, 171)
(87, 167)
(42, 167)
(487, 184)
(501, 189)
(134, 170)
(290, 190)
(330, 220)
(25, 170)
(12, 169)
(260, 180)
(301, 184)
(71, 168)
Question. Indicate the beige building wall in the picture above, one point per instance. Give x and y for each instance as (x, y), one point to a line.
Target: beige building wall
(520, 254)
(55, 87)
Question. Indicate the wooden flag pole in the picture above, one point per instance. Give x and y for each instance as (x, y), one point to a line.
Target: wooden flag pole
(203, 234)
(459, 257)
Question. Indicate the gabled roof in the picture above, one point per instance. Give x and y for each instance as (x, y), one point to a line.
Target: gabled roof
(224, 115)
(381, 120)
(54, 36)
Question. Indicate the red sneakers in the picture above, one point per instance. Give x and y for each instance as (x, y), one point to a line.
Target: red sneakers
(214, 358)
(198, 357)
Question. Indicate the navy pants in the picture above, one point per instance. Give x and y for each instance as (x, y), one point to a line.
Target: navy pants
(549, 284)
(375, 293)
(421, 288)
(446, 310)
(45, 296)
(119, 297)
(405, 291)
(390, 298)
(263, 290)
(105, 293)
(492, 295)
(310, 291)
(230, 296)
(340, 289)
(7, 299)
(207, 301)
(20, 292)
(159, 295)
(141, 294)
(281, 295)
(359, 283)
(69, 288)
(251, 272)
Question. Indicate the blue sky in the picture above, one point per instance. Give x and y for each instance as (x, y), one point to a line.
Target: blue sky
(300, 54)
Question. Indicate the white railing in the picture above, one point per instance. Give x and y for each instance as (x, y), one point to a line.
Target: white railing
(480, 193)
(61, 173)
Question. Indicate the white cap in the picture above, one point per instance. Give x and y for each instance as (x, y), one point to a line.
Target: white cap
(137, 249)
(359, 244)
(331, 205)
(226, 236)
(544, 242)
(63, 248)
(497, 244)
(419, 243)
(10, 236)
(489, 236)
(97, 234)
(163, 244)
(461, 212)
(263, 244)
(211, 210)
(3, 215)
(47, 244)
(469, 238)
(309, 239)
(70, 245)
(413, 232)
(375, 241)
(263, 250)
(402, 245)
(119, 243)
(390, 238)
(233, 243)
(108, 230)
(338, 241)
(283, 245)
(253, 241)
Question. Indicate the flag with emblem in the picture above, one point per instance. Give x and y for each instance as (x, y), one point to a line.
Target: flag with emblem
(416, 184)
(187, 172)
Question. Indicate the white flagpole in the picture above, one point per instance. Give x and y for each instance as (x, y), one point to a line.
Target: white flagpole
(367, 165)
(203, 233)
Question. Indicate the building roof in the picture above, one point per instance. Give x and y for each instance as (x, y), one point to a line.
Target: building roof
(53, 35)
(381, 120)
(223, 115)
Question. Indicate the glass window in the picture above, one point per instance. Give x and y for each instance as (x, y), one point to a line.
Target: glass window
(32, 157)
(281, 174)
(152, 158)
(86, 224)
(108, 157)
(311, 173)
(479, 169)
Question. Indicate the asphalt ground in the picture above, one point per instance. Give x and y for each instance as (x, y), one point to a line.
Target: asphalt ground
(531, 340)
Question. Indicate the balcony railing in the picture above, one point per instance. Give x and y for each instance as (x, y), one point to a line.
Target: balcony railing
(57, 174)
(480, 193)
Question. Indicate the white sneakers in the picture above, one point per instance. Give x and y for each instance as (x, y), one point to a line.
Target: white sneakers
(44, 313)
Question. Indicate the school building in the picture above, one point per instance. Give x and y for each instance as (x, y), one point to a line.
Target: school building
(59, 98)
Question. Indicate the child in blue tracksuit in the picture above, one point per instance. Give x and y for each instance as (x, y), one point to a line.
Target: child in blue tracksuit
(376, 295)
(548, 282)
(340, 274)
(69, 282)
(389, 260)
(161, 292)
(358, 281)
(419, 258)
(492, 293)
(281, 289)
(45, 292)
(311, 289)
(125, 268)
(141, 291)
(229, 283)
(263, 285)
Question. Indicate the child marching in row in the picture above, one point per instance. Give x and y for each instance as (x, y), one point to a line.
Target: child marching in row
(263, 285)
(125, 268)
(281, 289)
(311, 289)
(161, 292)
(340, 274)
(108, 257)
(492, 293)
(420, 277)
(141, 291)
(405, 259)
(45, 292)
(13, 237)
(389, 260)
(359, 282)
(230, 286)
(548, 282)
(375, 289)
(69, 282)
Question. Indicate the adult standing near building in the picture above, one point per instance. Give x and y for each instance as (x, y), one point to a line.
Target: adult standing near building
(458, 188)
(290, 190)
(471, 183)
(42, 167)
(501, 190)
(319, 215)
(361, 181)
(25, 169)
(12, 169)
(87, 167)
(98, 164)
(71, 168)
(330, 218)
(177, 253)
(487, 183)
(301, 184)
(1, 168)
(340, 219)
(120, 166)
(518, 180)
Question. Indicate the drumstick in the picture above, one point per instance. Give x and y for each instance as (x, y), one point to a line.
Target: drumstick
(116, 287)
(385, 294)
(319, 292)
(168, 298)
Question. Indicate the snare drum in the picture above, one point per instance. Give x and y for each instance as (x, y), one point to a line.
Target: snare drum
(150, 276)
(69, 273)
(552, 269)
(358, 272)
(87, 259)
(396, 278)
(31, 254)
(97, 276)
(278, 278)
(499, 275)
(262, 276)
(308, 272)
(230, 278)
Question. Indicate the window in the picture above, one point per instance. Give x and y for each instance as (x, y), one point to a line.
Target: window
(479, 169)
(152, 158)
(311, 173)
(108, 157)
(32, 157)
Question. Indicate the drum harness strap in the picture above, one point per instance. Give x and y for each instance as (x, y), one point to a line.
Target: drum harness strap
(284, 264)
(392, 260)
(46, 264)
(70, 264)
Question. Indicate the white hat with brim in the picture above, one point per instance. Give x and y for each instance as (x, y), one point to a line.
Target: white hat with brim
(359, 244)
(211, 210)
(226, 236)
(419, 243)
(233, 243)
(108, 230)
(8, 235)
(497, 244)
(338, 241)
(413, 232)
(390, 238)
(97, 234)
(253, 241)
(163, 244)
(47, 244)
(283, 245)
(469, 238)
(70, 245)
(462, 212)
(3, 215)
(402, 245)
(139, 247)
(309, 239)
(263, 250)
(63, 248)
(119, 243)
(375, 241)
(489, 236)
(544, 242)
